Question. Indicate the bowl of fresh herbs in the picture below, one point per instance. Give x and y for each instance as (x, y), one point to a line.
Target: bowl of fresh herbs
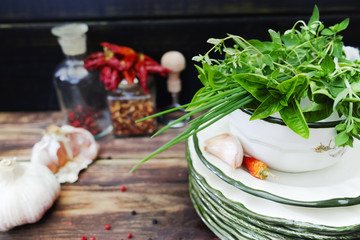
(308, 61)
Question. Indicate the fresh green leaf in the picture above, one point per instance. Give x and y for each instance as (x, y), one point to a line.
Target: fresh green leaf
(267, 60)
(341, 138)
(231, 51)
(293, 86)
(327, 32)
(275, 37)
(343, 25)
(254, 84)
(264, 47)
(340, 97)
(294, 119)
(328, 64)
(338, 49)
(268, 107)
(316, 112)
(315, 16)
(214, 41)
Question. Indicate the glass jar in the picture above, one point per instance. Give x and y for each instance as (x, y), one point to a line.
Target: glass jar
(81, 95)
(127, 105)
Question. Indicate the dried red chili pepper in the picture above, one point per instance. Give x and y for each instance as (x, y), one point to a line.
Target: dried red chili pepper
(130, 75)
(118, 49)
(142, 75)
(110, 77)
(119, 62)
(95, 61)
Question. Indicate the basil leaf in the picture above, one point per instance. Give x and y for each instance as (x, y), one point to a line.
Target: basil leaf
(295, 85)
(214, 41)
(268, 107)
(254, 84)
(327, 32)
(315, 16)
(202, 75)
(341, 138)
(275, 37)
(343, 25)
(328, 64)
(267, 60)
(294, 119)
(316, 112)
(264, 47)
(340, 97)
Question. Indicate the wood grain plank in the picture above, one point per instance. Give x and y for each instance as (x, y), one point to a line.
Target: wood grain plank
(158, 189)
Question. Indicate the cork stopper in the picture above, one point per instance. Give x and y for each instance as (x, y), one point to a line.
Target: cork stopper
(175, 61)
(72, 38)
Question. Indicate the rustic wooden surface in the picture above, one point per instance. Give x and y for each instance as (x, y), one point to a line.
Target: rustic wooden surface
(157, 190)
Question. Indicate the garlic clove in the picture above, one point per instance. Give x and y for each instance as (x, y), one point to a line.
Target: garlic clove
(28, 190)
(227, 148)
(65, 151)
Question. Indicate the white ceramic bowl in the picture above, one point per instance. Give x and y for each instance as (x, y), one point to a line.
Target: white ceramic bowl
(281, 149)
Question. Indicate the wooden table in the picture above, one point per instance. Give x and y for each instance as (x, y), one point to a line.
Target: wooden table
(156, 191)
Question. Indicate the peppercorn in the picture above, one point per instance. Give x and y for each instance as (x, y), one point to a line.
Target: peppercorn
(123, 188)
(85, 118)
(155, 221)
(133, 212)
(83, 238)
(107, 226)
(129, 235)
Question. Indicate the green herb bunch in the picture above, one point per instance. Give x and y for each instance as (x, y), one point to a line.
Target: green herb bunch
(267, 77)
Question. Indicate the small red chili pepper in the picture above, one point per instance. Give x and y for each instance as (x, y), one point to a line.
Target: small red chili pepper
(95, 61)
(142, 75)
(129, 235)
(123, 188)
(119, 62)
(257, 168)
(110, 77)
(118, 49)
(129, 75)
(107, 226)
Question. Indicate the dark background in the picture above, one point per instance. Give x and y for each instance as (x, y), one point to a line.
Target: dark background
(29, 53)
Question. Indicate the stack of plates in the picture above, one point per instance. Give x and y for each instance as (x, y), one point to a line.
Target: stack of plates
(322, 204)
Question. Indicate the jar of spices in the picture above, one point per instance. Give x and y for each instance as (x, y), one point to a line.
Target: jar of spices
(82, 97)
(127, 105)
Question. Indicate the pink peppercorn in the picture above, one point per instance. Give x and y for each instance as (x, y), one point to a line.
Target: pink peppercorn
(83, 238)
(123, 188)
(129, 235)
(107, 227)
(92, 238)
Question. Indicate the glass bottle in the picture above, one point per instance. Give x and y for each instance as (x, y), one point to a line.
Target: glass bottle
(127, 105)
(81, 95)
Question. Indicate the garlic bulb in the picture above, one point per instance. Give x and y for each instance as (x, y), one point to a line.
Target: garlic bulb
(65, 151)
(226, 147)
(27, 191)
